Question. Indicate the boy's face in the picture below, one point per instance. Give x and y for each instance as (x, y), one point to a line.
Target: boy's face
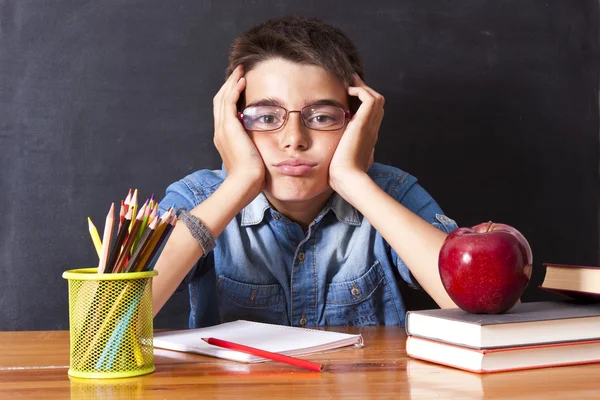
(293, 87)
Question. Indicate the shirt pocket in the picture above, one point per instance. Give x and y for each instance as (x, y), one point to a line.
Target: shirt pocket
(261, 303)
(362, 301)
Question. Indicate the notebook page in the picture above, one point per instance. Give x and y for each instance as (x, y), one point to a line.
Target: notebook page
(274, 338)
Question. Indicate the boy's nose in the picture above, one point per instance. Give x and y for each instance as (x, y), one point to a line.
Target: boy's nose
(294, 133)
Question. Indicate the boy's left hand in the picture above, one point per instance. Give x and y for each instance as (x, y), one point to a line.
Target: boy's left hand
(356, 148)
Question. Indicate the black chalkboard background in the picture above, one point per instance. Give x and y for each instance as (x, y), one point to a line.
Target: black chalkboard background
(493, 105)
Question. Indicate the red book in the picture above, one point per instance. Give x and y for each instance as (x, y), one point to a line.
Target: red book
(503, 359)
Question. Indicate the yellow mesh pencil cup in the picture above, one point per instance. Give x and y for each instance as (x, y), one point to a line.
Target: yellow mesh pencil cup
(110, 323)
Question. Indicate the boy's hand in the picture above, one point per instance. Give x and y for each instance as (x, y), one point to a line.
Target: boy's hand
(239, 154)
(355, 151)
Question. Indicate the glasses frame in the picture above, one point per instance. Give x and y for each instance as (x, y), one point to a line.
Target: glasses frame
(347, 116)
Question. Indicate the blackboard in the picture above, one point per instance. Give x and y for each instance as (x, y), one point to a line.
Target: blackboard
(493, 105)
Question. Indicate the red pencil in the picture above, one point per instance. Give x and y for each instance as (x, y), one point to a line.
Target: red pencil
(265, 354)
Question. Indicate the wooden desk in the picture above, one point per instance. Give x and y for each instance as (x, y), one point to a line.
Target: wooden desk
(33, 365)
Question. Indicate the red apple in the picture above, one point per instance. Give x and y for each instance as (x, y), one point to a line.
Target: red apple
(485, 268)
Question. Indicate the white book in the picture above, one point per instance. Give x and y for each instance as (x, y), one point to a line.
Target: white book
(287, 340)
(524, 324)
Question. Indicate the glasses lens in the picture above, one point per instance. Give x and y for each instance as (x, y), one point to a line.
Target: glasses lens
(263, 118)
(324, 117)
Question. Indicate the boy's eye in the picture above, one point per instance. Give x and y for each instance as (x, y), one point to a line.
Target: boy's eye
(267, 119)
(322, 118)
(263, 118)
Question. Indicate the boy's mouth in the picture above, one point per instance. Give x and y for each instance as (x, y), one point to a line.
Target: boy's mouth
(295, 166)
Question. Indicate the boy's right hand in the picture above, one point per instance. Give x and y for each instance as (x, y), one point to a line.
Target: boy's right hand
(240, 156)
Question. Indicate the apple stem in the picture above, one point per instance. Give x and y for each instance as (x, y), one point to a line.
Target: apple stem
(489, 226)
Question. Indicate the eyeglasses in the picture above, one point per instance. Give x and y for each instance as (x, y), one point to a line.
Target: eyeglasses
(270, 118)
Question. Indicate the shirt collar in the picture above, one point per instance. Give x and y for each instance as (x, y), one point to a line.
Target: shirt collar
(254, 213)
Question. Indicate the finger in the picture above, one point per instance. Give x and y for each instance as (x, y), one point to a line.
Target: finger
(230, 83)
(376, 110)
(367, 100)
(379, 99)
(234, 95)
(234, 77)
(230, 120)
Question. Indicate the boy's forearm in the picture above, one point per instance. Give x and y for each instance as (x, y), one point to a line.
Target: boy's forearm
(417, 242)
(182, 251)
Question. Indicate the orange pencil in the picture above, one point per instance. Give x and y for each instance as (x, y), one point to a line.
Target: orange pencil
(153, 213)
(265, 354)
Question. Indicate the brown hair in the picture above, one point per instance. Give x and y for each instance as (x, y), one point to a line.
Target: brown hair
(300, 40)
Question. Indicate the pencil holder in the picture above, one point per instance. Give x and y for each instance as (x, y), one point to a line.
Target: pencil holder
(110, 323)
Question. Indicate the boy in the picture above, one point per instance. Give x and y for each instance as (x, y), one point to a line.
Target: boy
(300, 227)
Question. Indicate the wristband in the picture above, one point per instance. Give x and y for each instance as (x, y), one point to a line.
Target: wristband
(198, 230)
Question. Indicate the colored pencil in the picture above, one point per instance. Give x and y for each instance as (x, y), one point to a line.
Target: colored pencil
(125, 252)
(123, 232)
(128, 199)
(110, 315)
(107, 238)
(153, 213)
(142, 227)
(141, 246)
(162, 231)
(122, 213)
(134, 204)
(265, 354)
(95, 237)
(150, 261)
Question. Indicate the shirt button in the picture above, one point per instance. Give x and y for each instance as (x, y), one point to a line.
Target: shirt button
(276, 217)
(355, 292)
(303, 320)
(301, 257)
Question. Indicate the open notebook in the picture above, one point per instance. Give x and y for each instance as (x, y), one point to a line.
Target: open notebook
(287, 340)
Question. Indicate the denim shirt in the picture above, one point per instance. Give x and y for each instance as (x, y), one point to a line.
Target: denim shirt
(265, 268)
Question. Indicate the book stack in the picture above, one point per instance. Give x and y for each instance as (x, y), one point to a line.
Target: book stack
(530, 335)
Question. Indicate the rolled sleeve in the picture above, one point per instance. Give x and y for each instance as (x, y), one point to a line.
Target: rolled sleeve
(179, 196)
(444, 224)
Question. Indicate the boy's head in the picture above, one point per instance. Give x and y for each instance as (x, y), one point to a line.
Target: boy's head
(297, 72)
(302, 41)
